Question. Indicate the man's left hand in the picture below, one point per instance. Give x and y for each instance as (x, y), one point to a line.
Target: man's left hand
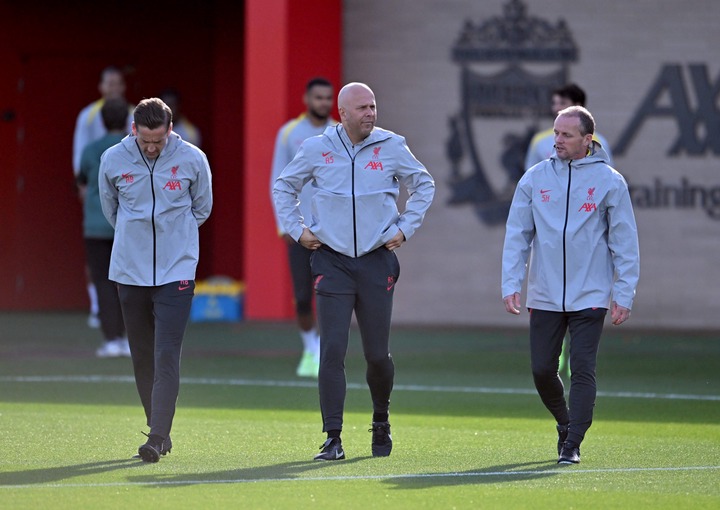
(396, 241)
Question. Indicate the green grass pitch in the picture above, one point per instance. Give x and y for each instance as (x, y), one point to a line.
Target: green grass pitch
(468, 429)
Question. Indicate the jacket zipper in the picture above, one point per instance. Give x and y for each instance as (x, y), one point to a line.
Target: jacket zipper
(352, 187)
(567, 215)
(152, 214)
(152, 220)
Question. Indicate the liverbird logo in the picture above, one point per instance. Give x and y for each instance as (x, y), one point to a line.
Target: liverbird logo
(591, 195)
(173, 184)
(509, 66)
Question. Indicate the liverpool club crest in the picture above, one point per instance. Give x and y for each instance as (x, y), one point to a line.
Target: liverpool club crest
(509, 67)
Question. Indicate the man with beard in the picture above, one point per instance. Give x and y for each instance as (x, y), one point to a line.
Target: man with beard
(318, 99)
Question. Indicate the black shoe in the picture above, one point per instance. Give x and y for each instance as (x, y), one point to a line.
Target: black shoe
(562, 431)
(331, 450)
(154, 448)
(166, 446)
(569, 454)
(381, 439)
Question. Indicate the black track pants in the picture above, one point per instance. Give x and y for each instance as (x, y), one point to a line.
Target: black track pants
(299, 262)
(364, 285)
(547, 330)
(98, 259)
(156, 319)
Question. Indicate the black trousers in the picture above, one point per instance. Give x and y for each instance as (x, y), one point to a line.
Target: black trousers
(97, 252)
(366, 286)
(547, 330)
(299, 262)
(156, 319)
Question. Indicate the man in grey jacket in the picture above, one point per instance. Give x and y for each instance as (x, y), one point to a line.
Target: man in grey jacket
(573, 211)
(356, 170)
(155, 190)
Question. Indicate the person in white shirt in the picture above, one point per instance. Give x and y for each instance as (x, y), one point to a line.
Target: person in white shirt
(89, 128)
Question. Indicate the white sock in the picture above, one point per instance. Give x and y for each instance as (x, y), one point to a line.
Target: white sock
(311, 341)
(92, 294)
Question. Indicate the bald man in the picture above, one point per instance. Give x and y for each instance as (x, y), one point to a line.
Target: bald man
(356, 169)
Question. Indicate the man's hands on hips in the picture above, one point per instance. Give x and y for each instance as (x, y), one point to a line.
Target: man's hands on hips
(308, 240)
(396, 241)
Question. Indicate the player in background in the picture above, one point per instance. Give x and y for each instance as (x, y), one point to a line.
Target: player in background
(318, 100)
(89, 128)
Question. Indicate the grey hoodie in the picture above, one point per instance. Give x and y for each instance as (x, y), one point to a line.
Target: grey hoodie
(577, 218)
(155, 214)
(354, 207)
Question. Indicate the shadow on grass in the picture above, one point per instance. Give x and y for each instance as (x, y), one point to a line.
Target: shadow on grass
(274, 472)
(298, 470)
(60, 473)
(493, 474)
(327, 471)
(270, 473)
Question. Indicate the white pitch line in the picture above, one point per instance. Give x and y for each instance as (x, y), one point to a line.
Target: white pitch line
(414, 476)
(350, 386)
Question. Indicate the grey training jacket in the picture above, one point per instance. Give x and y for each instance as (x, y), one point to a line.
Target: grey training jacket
(354, 207)
(578, 219)
(156, 214)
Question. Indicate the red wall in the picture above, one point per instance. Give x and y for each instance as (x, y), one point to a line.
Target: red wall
(10, 62)
(286, 44)
(238, 83)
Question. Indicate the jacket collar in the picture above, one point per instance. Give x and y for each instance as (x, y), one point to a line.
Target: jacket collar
(338, 131)
(172, 145)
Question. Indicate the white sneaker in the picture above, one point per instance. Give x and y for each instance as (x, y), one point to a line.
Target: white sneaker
(309, 366)
(111, 349)
(93, 321)
(124, 347)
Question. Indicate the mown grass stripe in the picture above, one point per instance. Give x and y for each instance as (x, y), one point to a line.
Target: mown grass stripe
(560, 471)
(352, 386)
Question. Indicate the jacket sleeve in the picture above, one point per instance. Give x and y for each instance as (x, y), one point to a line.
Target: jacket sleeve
(623, 244)
(519, 234)
(531, 158)
(421, 188)
(285, 193)
(279, 162)
(85, 165)
(533, 155)
(80, 140)
(108, 191)
(201, 191)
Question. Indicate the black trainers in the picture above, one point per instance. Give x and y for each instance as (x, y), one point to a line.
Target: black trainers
(562, 431)
(331, 450)
(166, 446)
(569, 454)
(381, 439)
(154, 448)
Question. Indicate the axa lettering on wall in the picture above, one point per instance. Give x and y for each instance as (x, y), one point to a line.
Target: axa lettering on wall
(688, 97)
(470, 83)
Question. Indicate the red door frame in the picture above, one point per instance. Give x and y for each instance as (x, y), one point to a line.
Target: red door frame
(286, 44)
(261, 53)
